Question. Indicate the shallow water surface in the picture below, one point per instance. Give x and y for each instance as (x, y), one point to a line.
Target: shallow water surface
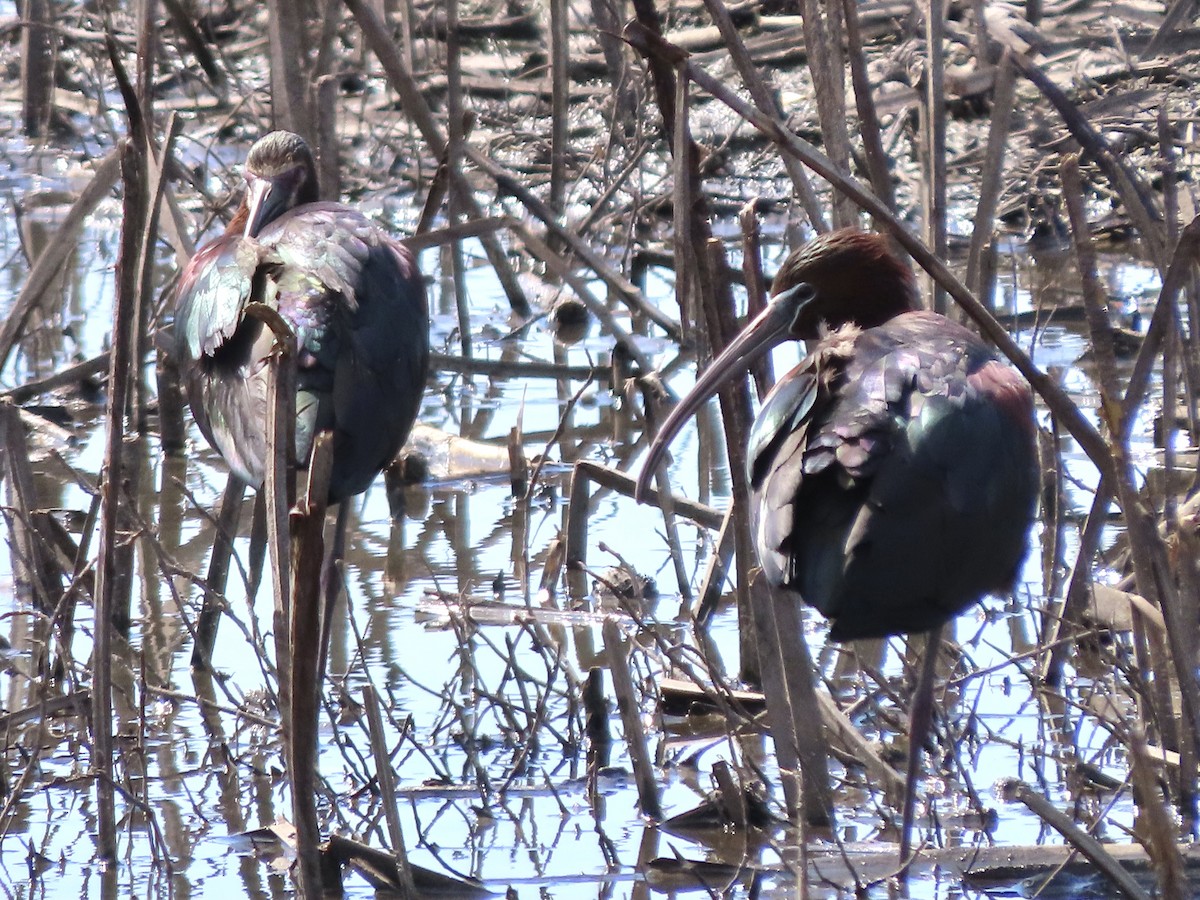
(481, 709)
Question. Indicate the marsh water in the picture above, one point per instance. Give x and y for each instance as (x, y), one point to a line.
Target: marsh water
(477, 663)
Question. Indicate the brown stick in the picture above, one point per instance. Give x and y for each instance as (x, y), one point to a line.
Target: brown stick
(38, 51)
(1157, 831)
(799, 674)
(868, 119)
(387, 792)
(1134, 193)
(934, 137)
(291, 69)
(992, 181)
(560, 83)
(920, 718)
(218, 572)
(823, 41)
(306, 526)
(107, 574)
(631, 719)
(1077, 838)
(767, 101)
(156, 169)
(762, 369)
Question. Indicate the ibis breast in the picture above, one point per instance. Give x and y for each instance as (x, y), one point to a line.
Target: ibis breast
(357, 304)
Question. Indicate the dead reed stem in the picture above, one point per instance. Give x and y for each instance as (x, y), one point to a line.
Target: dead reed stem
(823, 48)
(329, 170)
(712, 585)
(182, 21)
(711, 289)
(631, 719)
(671, 528)
(737, 419)
(762, 369)
(1134, 193)
(992, 181)
(135, 231)
(799, 674)
(39, 42)
(560, 85)
(1157, 830)
(1079, 839)
(768, 102)
(456, 129)
(387, 791)
(1165, 317)
(291, 69)
(172, 430)
(878, 169)
(583, 476)
(920, 719)
(933, 117)
(780, 709)
(32, 565)
(107, 603)
(1078, 586)
(688, 273)
(141, 401)
(306, 525)
(331, 585)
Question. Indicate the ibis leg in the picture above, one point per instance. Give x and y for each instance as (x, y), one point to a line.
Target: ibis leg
(920, 718)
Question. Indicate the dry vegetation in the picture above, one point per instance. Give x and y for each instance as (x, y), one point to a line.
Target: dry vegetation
(583, 144)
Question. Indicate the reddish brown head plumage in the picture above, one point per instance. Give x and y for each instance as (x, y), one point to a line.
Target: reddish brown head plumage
(856, 278)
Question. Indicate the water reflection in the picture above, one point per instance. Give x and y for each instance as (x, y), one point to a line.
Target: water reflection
(484, 725)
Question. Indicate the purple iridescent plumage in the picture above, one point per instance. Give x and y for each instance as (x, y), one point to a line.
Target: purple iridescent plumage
(351, 293)
(893, 473)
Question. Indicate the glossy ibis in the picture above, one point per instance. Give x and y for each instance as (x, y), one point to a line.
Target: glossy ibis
(893, 472)
(356, 303)
(351, 293)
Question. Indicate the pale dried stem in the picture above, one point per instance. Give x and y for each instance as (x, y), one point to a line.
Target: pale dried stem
(933, 118)
(387, 791)
(631, 719)
(1077, 838)
(992, 181)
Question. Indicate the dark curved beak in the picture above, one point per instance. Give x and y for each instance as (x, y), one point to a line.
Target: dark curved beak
(769, 329)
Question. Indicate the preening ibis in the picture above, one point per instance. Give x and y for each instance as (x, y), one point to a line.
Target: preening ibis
(894, 471)
(351, 293)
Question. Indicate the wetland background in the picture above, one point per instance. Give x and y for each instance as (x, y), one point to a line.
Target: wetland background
(526, 150)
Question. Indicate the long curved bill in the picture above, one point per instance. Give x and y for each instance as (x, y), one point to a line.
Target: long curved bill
(266, 200)
(769, 329)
